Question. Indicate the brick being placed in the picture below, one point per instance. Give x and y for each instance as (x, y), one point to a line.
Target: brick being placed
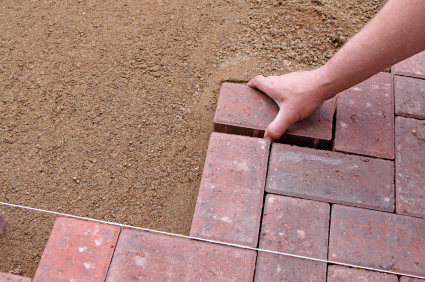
(410, 166)
(77, 250)
(144, 256)
(338, 273)
(293, 226)
(331, 177)
(230, 196)
(377, 240)
(243, 110)
(413, 66)
(409, 96)
(365, 118)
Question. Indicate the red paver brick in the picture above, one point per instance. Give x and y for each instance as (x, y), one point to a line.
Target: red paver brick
(410, 279)
(378, 240)
(272, 267)
(243, 110)
(143, 256)
(409, 97)
(231, 193)
(2, 224)
(331, 177)
(295, 226)
(410, 166)
(77, 250)
(13, 278)
(338, 273)
(413, 66)
(365, 118)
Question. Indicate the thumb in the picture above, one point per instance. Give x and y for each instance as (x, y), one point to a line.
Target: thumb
(261, 83)
(277, 128)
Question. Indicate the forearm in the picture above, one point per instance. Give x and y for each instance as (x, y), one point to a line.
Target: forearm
(394, 34)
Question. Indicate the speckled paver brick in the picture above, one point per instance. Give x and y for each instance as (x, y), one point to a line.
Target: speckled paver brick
(230, 196)
(414, 66)
(338, 273)
(77, 250)
(409, 97)
(410, 279)
(331, 177)
(142, 256)
(13, 278)
(2, 224)
(410, 166)
(378, 240)
(365, 118)
(243, 110)
(295, 226)
(272, 267)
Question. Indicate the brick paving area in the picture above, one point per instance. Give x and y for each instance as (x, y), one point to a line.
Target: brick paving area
(361, 203)
(413, 67)
(365, 118)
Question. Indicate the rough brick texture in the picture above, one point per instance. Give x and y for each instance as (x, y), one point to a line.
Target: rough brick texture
(271, 267)
(245, 111)
(409, 97)
(331, 177)
(77, 250)
(13, 278)
(410, 279)
(231, 193)
(143, 256)
(295, 226)
(410, 166)
(365, 118)
(338, 273)
(414, 66)
(377, 240)
(2, 224)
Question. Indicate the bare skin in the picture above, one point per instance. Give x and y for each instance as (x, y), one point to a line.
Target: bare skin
(394, 34)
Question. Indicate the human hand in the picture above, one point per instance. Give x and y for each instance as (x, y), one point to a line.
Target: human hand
(298, 95)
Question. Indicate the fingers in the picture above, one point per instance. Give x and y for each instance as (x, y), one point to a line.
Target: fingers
(260, 82)
(277, 128)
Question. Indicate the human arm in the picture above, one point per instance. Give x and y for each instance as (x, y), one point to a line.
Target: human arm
(394, 34)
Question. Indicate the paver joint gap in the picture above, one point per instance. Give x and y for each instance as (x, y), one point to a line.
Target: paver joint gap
(113, 254)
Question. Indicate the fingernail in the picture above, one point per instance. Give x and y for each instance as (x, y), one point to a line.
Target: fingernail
(268, 138)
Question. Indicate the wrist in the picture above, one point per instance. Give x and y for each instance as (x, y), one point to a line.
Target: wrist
(325, 83)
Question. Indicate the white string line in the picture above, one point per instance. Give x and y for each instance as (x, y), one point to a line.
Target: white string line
(211, 241)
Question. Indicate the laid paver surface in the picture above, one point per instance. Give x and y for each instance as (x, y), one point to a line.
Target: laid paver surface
(410, 279)
(230, 196)
(338, 273)
(409, 96)
(143, 256)
(331, 177)
(77, 250)
(413, 66)
(272, 267)
(243, 110)
(378, 240)
(365, 118)
(410, 164)
(4, 277)
(295, 226)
